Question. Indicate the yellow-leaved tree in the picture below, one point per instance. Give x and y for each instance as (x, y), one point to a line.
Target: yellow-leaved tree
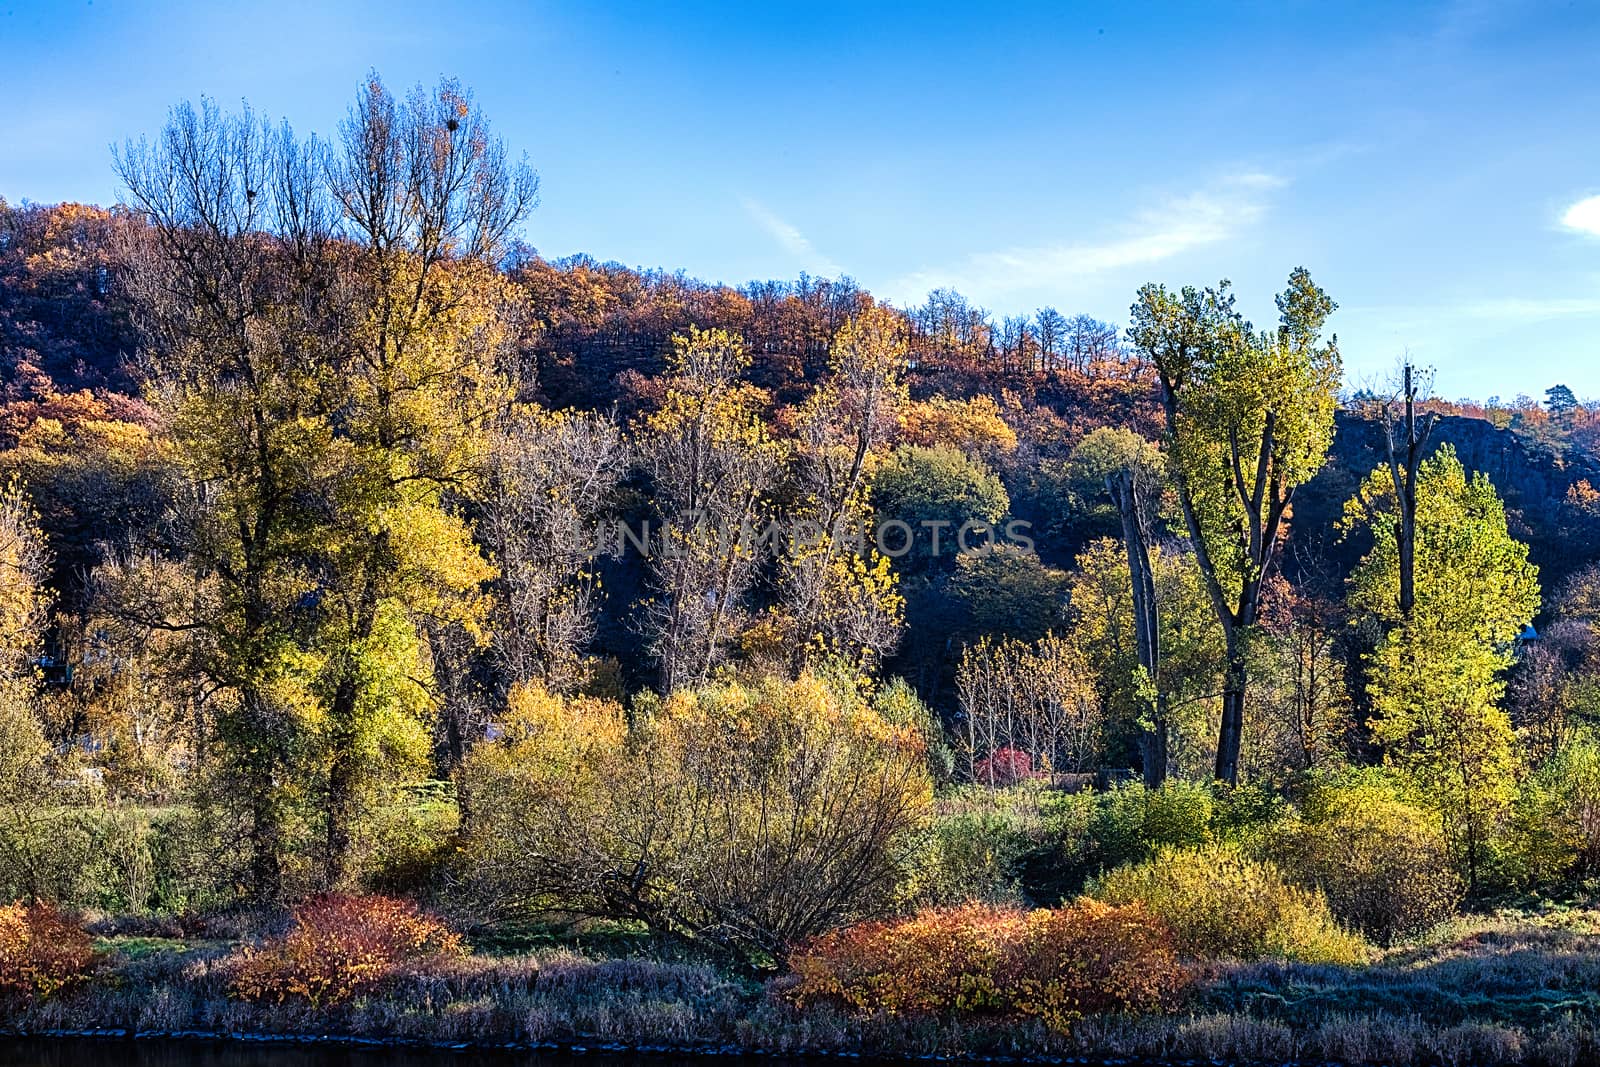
(1435, 679)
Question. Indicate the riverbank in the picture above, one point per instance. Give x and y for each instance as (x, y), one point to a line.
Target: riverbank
(1507, 990)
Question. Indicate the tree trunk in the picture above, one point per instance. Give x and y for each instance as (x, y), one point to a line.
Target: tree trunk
(1146, 626)
(1231, 734)
(266, 819)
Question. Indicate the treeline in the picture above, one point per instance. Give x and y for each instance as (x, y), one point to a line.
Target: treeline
(373, 550)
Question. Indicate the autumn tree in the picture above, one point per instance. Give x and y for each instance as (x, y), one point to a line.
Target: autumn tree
(712, 465)
(1436, 676)
(328, 327)
(835, 586)
(1301, 710)
(234, 244)
(30, 814)
(427, 200)
(1026, 707)
(1249, 419)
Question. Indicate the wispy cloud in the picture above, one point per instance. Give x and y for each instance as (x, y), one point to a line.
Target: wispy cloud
(1534, 309)
(1422, 322)
(1175, 225)
(791, 240)
(1584, 216)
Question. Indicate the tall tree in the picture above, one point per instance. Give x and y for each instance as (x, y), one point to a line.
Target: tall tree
(28, 812)
(713, 466)
(232, 280)
(327, 325)
(1132, 472)
(835, 586)
(552, 478)
(1436, 677)
(1249, 419)
(427, 201)
(1405, 440)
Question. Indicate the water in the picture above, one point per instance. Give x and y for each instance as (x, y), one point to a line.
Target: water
(92, 1052)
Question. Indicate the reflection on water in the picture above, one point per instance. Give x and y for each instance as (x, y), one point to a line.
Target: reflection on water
(88, 1052)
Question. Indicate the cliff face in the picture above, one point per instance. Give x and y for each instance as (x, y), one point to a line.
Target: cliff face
(1532, 481)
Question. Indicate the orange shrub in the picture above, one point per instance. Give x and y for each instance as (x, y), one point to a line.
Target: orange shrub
(1055, 965)
(40, 952)
(339, 945)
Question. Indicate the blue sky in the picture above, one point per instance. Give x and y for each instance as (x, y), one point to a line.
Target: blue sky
(1431, 164)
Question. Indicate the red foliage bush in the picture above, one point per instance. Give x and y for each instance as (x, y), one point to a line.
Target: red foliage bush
(339, 945)
(1003, 767)
(40, 951)
(1057, 966)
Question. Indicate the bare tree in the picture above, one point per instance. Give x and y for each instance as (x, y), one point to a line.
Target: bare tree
(1405, 440)
(1033, 699)
(552, 477)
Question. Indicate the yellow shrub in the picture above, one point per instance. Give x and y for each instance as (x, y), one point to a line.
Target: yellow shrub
(1223, 905)
(754, 816)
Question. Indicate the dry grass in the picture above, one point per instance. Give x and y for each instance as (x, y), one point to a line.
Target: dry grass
(1506, 990)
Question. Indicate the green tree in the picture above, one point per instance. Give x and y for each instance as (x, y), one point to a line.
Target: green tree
(1249, 419)
(936, 492)
(1103, 628)
(1435, 679)
(1560, 400)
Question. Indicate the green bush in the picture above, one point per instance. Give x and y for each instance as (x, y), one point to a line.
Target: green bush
(1383, 864)
(1130, 823)
(976, 847)
(1100, 831)
(1221, 904)
(410, 843)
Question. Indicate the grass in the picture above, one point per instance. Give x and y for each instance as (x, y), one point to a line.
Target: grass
(1506, 989)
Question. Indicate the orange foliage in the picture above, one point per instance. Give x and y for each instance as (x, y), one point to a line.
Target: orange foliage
(340, 945)
(971, 425)
(1055, 965)
(40, 951)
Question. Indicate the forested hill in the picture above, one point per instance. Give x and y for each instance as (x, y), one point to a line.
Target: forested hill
(598, 333)
(1549, 494)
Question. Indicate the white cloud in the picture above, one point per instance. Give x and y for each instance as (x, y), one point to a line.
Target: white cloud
(792, 240)
(1161, 231)
(1534, 309)
(1584, 216)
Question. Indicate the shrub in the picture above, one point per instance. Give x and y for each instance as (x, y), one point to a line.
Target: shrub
(1055, 965)
(750, 817)
(41, 953)
(1382, 864)
(1221, 904)
(1003, 768)
(411, 842)
(1127, 824)
(976, 845)
(339, 945)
